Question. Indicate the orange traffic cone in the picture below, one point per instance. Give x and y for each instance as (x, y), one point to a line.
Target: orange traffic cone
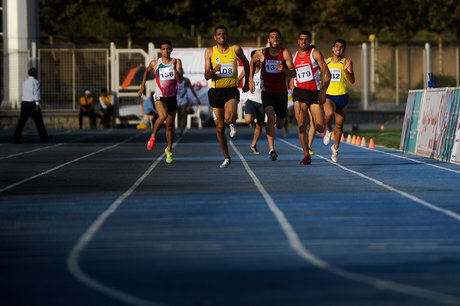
(349, 138)
(333, 135)
(371, 144)
(382, 127)
(342, 138)
(358, 141)
(353, 140)
(363, 142)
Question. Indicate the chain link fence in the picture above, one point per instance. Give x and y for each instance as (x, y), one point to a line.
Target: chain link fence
(66, 73)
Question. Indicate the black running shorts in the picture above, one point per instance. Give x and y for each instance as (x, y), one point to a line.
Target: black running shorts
(219, 96)
(278, 101)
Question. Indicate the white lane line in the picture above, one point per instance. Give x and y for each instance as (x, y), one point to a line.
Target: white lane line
(74, 255)
(47, 147)
(65, 164)
(297, 246)
(447, 212)
(411, 159)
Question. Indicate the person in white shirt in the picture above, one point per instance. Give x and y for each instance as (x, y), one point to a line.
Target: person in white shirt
(30, 107)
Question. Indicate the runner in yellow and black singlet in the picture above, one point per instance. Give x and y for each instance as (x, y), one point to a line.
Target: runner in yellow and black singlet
(221, 67)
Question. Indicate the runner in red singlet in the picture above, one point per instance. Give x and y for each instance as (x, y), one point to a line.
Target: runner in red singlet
(310, 85)
(276, 63)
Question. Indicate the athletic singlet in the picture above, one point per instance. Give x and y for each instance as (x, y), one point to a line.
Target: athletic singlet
(228, 74)
(165, 80)
(256, 95)
(338, 84)
(308, 74)
(273, 80)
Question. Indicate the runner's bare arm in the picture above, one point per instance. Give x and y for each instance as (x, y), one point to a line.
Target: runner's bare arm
(289, 70)
(348, 68)
(150, 67)
(242, 57)
(177, 64)
(208, 70)
(257, 58)
(326, 75)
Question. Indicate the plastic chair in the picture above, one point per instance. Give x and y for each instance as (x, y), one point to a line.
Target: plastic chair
(196, 115)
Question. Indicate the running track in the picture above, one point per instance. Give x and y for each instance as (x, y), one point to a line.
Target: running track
(93, 218)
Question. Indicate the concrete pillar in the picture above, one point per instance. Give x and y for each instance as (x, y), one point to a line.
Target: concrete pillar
(21, 36)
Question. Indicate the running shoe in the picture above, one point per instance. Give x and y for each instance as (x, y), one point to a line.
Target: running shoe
(232, 129)
(273, 155)
(286, 134)
(226, 163)
(254, 150)
(169, 158)
(306, 160)
(310, 151)
(327, 137)
(335, 154)
(150, 144)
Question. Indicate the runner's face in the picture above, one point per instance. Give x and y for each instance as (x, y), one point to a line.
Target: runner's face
(221, 36)
(166, 51)
(338, 49)
(274, 39)
(304, 42)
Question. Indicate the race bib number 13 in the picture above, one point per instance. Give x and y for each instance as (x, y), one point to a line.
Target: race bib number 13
(270, 66)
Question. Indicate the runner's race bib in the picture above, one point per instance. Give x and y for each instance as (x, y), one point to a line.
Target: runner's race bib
(304, 74)
(166, 73)
(270, 66)
(336, 74)
(226, 70)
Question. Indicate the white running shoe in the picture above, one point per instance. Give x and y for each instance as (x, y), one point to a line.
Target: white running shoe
(226, 163)
(327, 137)
(232, 129)
(335, 154)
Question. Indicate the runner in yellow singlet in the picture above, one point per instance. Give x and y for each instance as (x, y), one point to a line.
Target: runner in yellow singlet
(337, 95)
(221, 67)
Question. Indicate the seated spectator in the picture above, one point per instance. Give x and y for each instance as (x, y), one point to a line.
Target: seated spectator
(107, 104)
(148, 112)
(87, 109)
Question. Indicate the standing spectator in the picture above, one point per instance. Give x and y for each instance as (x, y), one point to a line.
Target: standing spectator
(30, 107)
(107, 105)
(87, 109)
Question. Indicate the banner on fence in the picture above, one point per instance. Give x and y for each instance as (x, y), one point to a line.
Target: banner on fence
(448, 124)
(430, 121)
(411, 117)
(455, 156)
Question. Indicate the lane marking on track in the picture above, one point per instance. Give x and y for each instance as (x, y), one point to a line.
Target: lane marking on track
(410, 159)
(67, 163)
(47, 147)
(84, 240)
(296, 245)
(447, 212)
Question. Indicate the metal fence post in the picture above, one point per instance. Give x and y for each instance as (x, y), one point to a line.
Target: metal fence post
(397, 74)
(427, 66)
(365, 76)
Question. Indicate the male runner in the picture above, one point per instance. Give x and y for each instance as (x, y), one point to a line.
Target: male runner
(276, 63)
(253, 108)
(336, 95)
(221, 66)
(168, 72)
(310, 85)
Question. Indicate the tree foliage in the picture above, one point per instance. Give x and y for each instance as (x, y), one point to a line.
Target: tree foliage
(400, 20)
